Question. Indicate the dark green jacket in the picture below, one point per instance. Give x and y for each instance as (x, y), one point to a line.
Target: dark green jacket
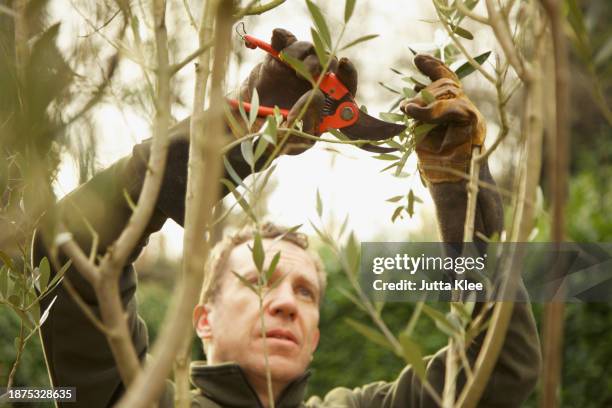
(77, 354)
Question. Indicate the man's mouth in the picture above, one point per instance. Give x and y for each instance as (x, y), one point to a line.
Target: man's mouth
(281, 334)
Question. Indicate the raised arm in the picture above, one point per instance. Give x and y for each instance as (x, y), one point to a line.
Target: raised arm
(77, 353)
(444, 158)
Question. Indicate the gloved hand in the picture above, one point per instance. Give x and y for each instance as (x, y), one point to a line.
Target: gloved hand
(278, 84)
(460, 125)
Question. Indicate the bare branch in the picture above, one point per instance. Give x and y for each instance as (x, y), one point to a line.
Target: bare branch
(190, 15)
(21, 37)
(107, 286)
(84, 307)
(472, 195)
(7, 11)
(89, 271)
(180, 65)
(471, 14)
(202, 193)
(459, 45)
(20, 347)
(205, 34)
(502, 32)
(251, 10)
(554, 312)
(504, 128)
(523, 218)
(106, 23)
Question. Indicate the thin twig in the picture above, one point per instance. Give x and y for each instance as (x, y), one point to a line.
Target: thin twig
(11, 376)
(192, 21)
(375, 316)
(106, 23)
(482, 184)
(271, 401)
(459, 45)
(471, 14)
(472, 196)
(21, 38)
(251, 10)
(85, 307)
(504, 129)
(504, 37)
(180, 65)
(80, 261)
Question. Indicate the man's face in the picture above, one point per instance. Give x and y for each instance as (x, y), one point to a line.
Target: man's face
(231, 324)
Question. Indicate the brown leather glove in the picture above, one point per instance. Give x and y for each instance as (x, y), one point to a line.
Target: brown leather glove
(460, 125)
(278, 84)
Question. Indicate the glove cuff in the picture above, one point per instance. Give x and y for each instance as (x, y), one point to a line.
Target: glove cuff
(442, 171)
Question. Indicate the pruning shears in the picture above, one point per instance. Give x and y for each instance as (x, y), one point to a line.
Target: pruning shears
(339, 109)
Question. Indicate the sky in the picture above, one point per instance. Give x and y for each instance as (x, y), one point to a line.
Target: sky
(349, 180)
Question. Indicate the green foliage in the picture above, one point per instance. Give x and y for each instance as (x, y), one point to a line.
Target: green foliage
(359, 40)
(335, 363)
(153, 302)
(298, 66)
(467, 68)
(319, 22)
(31, 371)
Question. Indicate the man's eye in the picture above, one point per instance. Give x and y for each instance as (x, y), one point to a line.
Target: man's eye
(306, 292)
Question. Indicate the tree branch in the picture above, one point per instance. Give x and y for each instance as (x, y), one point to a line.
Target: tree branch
(204, 173)
(504, 37)
(459, 45)
(523, 218)
(202, 49)
(554, 312)
(256, 10)
(196, 131)
(469, 13)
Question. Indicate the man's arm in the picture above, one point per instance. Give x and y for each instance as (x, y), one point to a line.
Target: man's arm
(444, 154)
(77, 353)
(518, 365)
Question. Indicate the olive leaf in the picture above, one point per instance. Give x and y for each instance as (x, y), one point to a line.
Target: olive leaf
(258, 252)
(272, 267)
(297, 65)
(320, 48)
(427, 96)
(349, 7)
(462, 32)
(44, 272)
(359, 40)
(319, 22)
(371, 334)
(319, 204)
(413, 355)
(467, 68)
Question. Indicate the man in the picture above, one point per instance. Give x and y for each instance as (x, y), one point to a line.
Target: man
(228, 318)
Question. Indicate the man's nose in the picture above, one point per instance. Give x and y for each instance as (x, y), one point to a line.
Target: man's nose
(282, 301)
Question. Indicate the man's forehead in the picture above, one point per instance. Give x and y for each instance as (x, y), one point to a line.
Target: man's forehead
(292, 255)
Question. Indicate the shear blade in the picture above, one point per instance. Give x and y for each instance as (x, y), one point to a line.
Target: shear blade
(369, 128)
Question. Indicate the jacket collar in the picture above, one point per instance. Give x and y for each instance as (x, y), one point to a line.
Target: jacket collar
(227, 385)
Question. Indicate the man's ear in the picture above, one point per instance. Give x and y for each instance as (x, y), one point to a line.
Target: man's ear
(201, 323)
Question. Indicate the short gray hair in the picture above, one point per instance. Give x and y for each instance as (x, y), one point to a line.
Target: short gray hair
(222, 250)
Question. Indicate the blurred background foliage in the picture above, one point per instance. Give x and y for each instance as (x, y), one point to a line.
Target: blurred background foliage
(344, 357)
